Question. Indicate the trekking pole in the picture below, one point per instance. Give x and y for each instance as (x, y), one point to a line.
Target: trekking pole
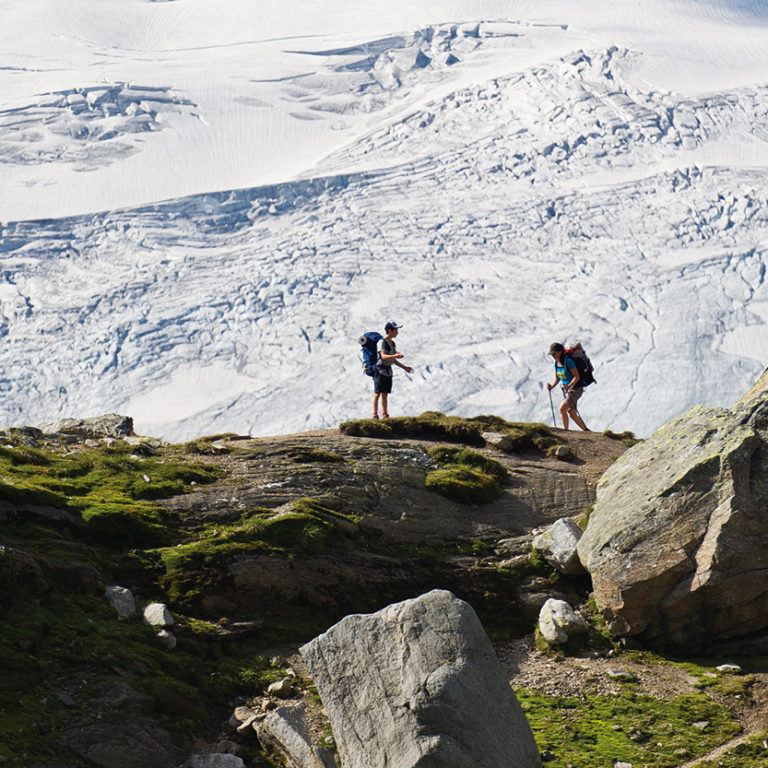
(553, 408)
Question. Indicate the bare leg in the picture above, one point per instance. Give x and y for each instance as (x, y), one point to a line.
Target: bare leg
(577, 418)
(564, 408)
(376, 404)
(384, 397)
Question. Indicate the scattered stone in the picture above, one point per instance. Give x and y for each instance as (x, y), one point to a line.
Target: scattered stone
(621, 764)
(639, 737)
(621, 675)
(282, 689)
(557, 545)
(558, 621)
(498, 440)
(729, 669)
(563, 452)
(121, 599)
(701, 725)
(241, 715)
(418, 683)
(167, 638)
(157, 615)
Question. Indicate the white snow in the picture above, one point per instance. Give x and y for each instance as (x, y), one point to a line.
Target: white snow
(203, 205)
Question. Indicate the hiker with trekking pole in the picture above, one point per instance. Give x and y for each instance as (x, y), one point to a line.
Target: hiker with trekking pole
(572, 378)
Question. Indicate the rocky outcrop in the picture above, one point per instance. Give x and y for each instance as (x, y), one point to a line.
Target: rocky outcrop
(108, 425)
(676, 544)
(418, 684)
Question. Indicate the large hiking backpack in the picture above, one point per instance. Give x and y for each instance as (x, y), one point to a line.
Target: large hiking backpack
(583, 364)
(368, 343)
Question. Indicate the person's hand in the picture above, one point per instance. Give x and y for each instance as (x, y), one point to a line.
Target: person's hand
(550, 387)
(408, 369)
(399, 355)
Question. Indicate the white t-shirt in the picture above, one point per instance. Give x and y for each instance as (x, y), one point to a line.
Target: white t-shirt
(388, 348)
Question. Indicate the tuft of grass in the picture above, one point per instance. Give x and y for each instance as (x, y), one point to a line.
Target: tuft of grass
(628, 438)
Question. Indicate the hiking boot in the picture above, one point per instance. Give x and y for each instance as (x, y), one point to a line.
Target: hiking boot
(385, 415)
(376, 416)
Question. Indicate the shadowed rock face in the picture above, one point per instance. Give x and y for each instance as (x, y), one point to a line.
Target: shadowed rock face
(418, 684)
(677, 544)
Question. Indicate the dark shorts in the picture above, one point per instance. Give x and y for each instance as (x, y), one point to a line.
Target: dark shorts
(382, 383)
(572, 395)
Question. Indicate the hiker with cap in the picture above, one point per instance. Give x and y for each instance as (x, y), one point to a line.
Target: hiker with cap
(382, 376)
(567, 375)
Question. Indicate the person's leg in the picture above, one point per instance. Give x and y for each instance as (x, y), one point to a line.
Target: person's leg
(384, 398)
(564, 408)
(577, 418)
(376, 405)
(570, 401)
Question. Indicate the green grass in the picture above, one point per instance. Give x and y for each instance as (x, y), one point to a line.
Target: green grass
(594, 730)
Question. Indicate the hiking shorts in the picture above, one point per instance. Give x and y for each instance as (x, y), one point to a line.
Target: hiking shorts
(382, 383)
(572, 396)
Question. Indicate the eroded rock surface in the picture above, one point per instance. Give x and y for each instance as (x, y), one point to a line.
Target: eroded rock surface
(418, 684)
(677, 544)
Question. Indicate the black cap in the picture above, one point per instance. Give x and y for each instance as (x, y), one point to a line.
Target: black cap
(555, 347)
(390, 325)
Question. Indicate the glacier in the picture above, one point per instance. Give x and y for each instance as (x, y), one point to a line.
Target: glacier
(202, 208)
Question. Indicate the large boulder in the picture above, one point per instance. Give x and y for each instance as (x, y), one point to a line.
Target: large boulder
(677, 543)
(418, 684)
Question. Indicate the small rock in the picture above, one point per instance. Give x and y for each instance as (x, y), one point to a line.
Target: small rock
(621, 675)
(558, 621)
(121, 599)
(638, 736)
(247, 725)
(499, 440)
(241, 714)
(167, 638)
(701, 725)
(282, 689)
(157, 615)
(563, 452)
(621, 764)
(729, 669)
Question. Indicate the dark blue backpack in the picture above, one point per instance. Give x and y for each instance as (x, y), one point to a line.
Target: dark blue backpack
(368, 343)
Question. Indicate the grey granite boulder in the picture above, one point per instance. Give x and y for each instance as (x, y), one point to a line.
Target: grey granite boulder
(418, 684)
(677, 543)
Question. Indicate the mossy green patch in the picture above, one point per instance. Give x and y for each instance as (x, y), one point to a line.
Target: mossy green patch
(596, 730)
(752, 753)
(465, 475)
(464, 484)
